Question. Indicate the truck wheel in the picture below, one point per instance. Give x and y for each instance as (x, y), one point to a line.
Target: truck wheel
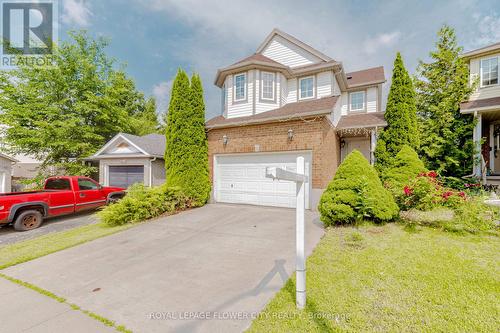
(28, 220)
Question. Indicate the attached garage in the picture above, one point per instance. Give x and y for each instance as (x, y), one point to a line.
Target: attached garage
(241, 178)
(125, 175)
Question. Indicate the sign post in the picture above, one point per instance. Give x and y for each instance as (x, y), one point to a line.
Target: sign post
(300, 179)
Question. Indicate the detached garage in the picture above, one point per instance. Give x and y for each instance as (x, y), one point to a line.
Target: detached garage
(241, 178)
(128, 159)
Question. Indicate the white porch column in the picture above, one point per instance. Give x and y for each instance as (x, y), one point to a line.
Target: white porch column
(477, 144)
(373, 145)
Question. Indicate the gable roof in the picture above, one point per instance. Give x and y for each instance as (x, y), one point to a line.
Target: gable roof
(365, 77)
(258, 57)
(482, 51)
(7, 157)
(290, 111)
(292, 40)
(151, 145)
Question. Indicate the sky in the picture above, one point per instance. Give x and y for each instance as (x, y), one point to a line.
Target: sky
(154, 38)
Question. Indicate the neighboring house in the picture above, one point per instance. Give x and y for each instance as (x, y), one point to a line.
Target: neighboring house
(484, 105)
(26, 167)
(6, 173)
(127, 159)
(286, 100)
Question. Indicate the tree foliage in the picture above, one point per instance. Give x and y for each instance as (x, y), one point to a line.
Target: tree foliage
(356, 193)
(441, 85)
(186, 155)
(65, 112)
(401, 117)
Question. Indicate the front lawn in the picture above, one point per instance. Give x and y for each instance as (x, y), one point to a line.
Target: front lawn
(17, 253)
(383, 278)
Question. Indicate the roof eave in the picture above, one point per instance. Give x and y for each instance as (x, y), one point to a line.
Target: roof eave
(222, 73)
(365, 84)
(270, 119)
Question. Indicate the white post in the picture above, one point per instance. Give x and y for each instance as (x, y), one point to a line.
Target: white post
(300, 239)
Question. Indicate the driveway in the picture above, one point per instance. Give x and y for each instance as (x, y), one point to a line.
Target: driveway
(216, 261)
(8, 235)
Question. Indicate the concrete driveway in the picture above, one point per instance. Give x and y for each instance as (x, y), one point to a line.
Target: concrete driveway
(8, 235)
(217, 261)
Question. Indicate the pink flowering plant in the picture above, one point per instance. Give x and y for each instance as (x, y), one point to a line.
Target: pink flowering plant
(426, 192)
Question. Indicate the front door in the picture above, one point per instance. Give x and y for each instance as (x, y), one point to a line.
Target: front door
(89, 195)
(361, 144)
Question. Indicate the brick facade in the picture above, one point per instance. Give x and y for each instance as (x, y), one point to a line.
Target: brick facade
(315, 134)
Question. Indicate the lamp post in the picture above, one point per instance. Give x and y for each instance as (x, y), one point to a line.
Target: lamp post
(300, 179)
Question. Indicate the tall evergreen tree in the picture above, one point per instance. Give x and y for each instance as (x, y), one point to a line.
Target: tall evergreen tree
(441, 85)
(186, 155)
(401, 117)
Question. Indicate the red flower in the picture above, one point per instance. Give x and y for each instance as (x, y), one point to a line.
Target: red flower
(447, 194)
(408, 191)
(461, 194)
(432, 174)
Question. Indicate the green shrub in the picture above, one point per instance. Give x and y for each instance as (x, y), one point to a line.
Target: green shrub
(405, 166)
(356, 193)
(142, 203)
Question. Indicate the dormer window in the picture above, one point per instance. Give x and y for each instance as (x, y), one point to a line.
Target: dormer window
(357, 101)
(267, 86)
(240, 87)
(489, 72)
(306, 87)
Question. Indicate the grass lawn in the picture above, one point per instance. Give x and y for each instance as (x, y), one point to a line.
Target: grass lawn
(386, 279)
(34, 248)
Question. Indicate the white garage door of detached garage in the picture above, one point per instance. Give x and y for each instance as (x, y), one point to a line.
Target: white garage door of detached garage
(241, 178)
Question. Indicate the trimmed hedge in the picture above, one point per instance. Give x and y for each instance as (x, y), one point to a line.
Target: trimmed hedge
(405, 166)
(142, 203)
(356, 193)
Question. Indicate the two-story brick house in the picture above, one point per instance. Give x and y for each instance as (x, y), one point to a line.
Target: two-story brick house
(484, 105)
(289, 99)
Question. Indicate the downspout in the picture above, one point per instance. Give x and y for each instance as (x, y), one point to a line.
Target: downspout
(151, 171)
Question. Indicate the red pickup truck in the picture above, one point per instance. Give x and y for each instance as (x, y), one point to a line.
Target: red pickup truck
(60, 196)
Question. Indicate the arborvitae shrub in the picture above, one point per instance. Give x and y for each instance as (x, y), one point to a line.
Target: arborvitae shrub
(356, 193)
(405, 166)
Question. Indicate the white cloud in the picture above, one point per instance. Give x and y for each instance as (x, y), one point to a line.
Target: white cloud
(76, 12)
(373, 44)
(489, 29)
(161, 92)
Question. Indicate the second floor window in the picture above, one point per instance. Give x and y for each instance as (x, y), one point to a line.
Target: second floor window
(357, 101)
(489, 72)
(240, 87)
(306, 86)
(267, 85)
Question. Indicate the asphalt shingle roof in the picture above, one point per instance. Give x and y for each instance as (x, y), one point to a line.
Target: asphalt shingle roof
(153, 144)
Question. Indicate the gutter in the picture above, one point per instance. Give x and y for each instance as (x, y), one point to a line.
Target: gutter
(151, 171)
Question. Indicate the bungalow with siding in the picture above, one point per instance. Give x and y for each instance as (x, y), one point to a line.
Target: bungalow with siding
(127, 159)
(285, 100)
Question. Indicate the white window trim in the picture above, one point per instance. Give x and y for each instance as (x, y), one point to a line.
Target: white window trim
(273, 86)
(364, 100)
(244, 88)
(481, 72)
(313, 87)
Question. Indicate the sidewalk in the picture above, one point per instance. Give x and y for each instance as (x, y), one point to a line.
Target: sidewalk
(25, 310)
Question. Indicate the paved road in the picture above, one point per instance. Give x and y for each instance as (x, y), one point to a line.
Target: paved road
(222, 259)
(8, 235)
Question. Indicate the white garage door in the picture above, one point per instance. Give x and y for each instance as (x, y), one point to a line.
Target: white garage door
(242, 179)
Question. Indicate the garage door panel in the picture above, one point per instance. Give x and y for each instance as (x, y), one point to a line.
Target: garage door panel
(242, 179)
(126, 175)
